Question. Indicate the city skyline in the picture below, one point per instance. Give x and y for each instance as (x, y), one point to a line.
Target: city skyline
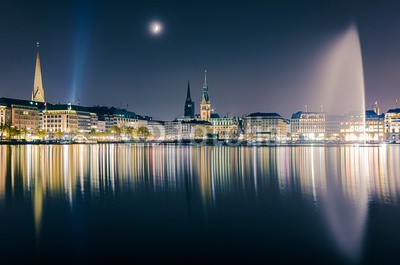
(247, 58)
(199, 131)
(196, 111)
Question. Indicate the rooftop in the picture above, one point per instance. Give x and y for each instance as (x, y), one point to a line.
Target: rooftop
(263, 114)
(298, 114)
(29, 103)
(397, 110)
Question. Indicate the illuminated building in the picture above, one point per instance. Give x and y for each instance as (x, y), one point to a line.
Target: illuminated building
(156, 129)
(173, 130)
(38, 90)
(22, 114)
(109, 117)
(265, 127)
(352, 127)
(122, 118)
(101, 125)
(184, 129)
(224, 128)
(308, 126)
(205, 105)
(374, 125)
(5, 115)
(392, 124)
(196, 129)
(68, 118)
(332, 127)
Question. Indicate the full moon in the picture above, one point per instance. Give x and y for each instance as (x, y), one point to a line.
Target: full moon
(156, 28)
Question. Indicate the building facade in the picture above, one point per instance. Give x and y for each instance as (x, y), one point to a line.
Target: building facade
(156, 130)
(173, 130)
(22, 114)
(67, 118)
(25, 117)
(374, 125)
(392, 124)
(308, 126)
(5, 115)
(356, 127)
(196, 130)
(224, 128)
(265, 127)
(332, 127)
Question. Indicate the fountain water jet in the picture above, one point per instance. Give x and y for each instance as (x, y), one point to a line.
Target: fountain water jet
(339, 80)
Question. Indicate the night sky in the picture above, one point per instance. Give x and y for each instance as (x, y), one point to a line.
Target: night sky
(258, 53)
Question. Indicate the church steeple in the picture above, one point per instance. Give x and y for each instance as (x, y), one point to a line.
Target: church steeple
(189, 104)
(188, 92)
(205, 96)
(38, 90)
(205, 105)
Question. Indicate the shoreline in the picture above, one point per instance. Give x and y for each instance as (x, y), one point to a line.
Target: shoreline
(198, 143)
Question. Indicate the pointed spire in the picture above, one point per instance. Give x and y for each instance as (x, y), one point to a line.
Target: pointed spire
(205, 85)
(38, 90)
(188, 92)
(205, 88)
(189, 104)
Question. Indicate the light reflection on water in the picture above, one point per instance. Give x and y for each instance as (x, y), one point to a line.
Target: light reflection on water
(339, 181)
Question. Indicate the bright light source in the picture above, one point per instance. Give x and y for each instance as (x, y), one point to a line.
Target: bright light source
(156, 28)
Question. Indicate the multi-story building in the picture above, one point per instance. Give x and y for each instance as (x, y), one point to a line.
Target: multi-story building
(332, 127)
(392, 124)
(5, 115)
(224, 128)
(156, 129)
(124, 118)
(173, 130)
(308, 126)
(356, 127)
(25, 117)
(196, 129)
(109, 117)
(101, 125)
(265, 127)
(352, 127)
(22, 114)
(68, 118)
(374, 125)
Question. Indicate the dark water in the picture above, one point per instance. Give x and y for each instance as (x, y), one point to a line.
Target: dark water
(218, 205)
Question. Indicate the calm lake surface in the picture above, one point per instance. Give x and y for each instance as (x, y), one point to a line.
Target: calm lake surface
(185, 204)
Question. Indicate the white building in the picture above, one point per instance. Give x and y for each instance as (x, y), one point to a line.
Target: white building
(68, 118)
(224, 128)
(308, 126)
(265, 127)
(392, 124)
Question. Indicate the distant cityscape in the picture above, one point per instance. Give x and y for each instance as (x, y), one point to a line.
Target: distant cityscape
(38, 120)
